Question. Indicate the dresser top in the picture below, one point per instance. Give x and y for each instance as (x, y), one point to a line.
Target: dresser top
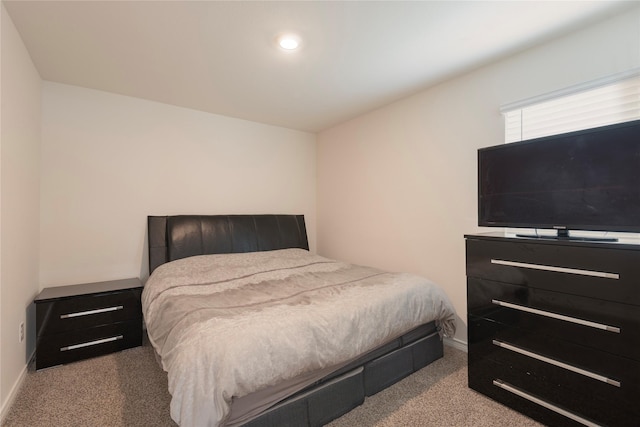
(60, 292)
(622, 243)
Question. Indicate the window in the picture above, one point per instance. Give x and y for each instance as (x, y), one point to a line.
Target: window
(603, 102)
(615, 99)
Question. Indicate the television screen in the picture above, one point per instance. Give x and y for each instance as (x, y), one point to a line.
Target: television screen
(584, 180)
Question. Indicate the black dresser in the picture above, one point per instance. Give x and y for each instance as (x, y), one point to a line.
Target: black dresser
(81, 321)
(554, 328)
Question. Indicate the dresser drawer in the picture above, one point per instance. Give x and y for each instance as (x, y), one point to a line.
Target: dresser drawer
(57, 349)
(87, 311)
(596, 323)
(603, 273)
(558, 363)
(543, 398)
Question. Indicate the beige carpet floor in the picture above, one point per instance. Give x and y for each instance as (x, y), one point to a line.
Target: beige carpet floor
(129, 389)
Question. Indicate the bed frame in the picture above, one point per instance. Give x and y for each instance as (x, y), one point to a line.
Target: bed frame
(181, 236)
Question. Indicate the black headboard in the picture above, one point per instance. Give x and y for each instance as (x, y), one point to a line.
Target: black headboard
(181, 236)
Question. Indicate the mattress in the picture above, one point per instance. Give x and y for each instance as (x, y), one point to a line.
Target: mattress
(227, 327)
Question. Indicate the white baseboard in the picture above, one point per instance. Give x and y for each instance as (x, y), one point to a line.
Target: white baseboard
(456, 343)
(13, 393)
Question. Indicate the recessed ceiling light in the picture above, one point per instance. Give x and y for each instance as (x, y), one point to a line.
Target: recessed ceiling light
(289, 41)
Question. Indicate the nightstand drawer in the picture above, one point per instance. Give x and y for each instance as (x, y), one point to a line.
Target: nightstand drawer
(608, 274)
(57, 349)
(87, 311)
(591, 322)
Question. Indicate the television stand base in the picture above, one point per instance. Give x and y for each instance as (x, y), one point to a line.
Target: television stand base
(566, 236)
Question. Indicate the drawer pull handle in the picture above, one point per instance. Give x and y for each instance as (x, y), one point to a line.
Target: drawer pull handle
(508, 387)
(90, 343)
(557, 363)
(557, 269)
(89, 312)
(558, 316)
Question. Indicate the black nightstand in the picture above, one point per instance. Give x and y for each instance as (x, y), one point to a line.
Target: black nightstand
(81, 321)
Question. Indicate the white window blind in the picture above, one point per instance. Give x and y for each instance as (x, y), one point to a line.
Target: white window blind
(615, 99)
(599, 104)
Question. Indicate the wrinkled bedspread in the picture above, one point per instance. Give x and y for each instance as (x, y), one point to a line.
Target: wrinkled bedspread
(228, 325)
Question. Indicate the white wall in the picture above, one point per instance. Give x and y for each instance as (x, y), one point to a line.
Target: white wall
(397, 186)
(19, 205)
(108, 161)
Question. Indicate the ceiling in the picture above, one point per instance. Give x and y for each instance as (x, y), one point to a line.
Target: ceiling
(221, 57)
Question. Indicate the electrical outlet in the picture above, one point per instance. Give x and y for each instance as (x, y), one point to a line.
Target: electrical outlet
(21, 332)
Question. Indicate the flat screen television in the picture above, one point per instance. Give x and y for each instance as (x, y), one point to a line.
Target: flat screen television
(583, 180)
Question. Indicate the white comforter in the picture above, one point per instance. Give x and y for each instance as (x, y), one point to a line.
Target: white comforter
(228, 325)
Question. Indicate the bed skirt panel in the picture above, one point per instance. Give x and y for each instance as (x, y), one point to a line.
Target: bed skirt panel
(346, 389)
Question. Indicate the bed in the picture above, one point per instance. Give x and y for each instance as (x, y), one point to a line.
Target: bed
(255, 330)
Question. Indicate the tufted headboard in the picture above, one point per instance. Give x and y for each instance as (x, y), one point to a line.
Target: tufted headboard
(181, 236)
